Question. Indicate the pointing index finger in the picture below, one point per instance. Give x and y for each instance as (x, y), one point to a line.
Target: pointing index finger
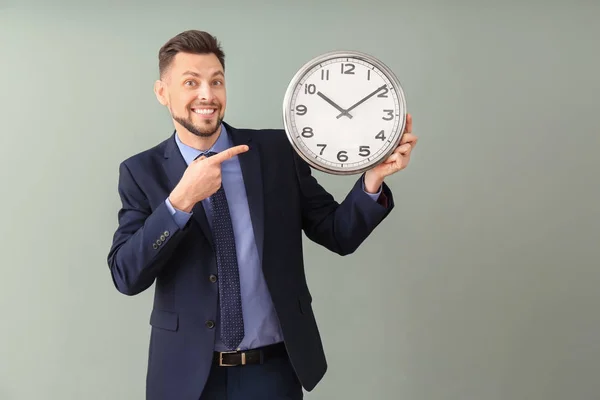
(229, 153)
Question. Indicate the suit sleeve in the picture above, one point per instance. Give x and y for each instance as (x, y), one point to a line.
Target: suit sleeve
(144, 238)
(340, 227)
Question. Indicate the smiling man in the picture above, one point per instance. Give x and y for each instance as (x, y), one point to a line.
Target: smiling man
(192, 86)
(214, 216)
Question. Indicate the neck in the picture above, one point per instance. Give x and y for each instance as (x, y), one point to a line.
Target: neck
(201, 143)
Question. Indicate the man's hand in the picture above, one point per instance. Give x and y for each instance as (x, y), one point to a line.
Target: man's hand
(201, 179)
(397, 161)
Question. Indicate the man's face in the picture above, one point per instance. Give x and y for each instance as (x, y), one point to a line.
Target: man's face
(193, 89)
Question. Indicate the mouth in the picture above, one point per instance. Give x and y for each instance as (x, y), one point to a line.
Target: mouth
(204, 112)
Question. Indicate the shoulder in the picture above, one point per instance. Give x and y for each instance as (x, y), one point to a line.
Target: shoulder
(148, 158)
(267, 138)
(271, 137)
(275, 149)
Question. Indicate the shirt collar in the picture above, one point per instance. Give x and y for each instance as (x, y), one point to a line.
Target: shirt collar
(190, 154)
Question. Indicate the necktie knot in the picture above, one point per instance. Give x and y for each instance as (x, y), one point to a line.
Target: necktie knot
(207, 154)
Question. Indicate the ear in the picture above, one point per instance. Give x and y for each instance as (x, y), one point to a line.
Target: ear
(159, 91)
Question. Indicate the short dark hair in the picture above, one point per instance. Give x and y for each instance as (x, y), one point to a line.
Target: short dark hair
(191, 41)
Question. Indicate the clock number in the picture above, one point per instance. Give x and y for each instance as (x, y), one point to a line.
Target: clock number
(322, 148)
(342, 156)
(310, 89)
(301, 109)
(324, 75)
(390, 114)
(364, 151)
(308, 132)
(348, 69)
(380, 136)
(383, 93)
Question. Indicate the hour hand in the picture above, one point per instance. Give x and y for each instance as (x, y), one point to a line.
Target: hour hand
(340, 109)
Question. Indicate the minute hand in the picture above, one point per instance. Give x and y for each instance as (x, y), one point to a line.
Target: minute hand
(363, 100)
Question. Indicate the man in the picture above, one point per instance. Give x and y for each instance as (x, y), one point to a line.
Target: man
(214, 217)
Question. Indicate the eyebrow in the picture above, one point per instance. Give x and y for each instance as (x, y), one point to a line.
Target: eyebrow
(197, 75)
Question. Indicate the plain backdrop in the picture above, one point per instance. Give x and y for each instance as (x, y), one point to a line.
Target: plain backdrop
(482, 284)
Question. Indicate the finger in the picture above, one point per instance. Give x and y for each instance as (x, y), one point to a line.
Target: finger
(229, 153)
(408, 127)
(409, 138)
(393, 158)
(403, 149)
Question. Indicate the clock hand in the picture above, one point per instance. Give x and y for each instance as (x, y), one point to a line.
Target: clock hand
(340, 109)
(363, 100)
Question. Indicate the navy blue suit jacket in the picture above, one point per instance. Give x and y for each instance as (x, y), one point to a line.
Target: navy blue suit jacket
(285, 200)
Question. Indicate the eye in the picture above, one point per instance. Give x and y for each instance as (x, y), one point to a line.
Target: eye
(218, 82)
(189, 83)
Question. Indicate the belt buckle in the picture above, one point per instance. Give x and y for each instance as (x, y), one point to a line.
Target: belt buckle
(222, 364)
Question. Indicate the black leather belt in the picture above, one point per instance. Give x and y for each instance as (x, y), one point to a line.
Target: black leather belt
(253, 356)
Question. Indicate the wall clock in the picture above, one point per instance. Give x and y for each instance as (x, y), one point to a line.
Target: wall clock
(344, 112)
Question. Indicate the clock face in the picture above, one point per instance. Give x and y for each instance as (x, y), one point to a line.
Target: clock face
(344, 112)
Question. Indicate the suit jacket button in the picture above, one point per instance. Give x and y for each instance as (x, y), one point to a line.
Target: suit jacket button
(210, 324)
(162, 238)
(166, 233)
(155, 246)
(158, 242)
(213, 278)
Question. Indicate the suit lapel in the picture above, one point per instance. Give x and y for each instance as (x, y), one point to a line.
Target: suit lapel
(252, 174)
(174, 166)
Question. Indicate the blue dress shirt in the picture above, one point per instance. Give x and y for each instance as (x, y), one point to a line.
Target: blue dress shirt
(260, 320)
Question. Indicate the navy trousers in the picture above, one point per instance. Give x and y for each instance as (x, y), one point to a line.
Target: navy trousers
(273, 380)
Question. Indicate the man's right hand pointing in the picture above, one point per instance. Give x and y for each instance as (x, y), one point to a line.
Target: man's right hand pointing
(201, 179)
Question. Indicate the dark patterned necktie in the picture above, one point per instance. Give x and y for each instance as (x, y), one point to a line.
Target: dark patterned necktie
(232, 322)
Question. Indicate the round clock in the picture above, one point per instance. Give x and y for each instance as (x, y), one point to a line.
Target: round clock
(344, 112)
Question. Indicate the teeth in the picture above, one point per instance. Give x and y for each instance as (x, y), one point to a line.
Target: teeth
(204, 111)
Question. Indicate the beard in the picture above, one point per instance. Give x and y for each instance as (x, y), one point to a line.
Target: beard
(206, 129)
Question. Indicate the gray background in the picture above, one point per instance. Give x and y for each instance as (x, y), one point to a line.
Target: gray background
(482, 284)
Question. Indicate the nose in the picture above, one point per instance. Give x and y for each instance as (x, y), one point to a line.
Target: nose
(205, 93)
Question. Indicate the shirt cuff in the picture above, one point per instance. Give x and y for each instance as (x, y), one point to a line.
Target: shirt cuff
(181, 217)
(374, 196)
